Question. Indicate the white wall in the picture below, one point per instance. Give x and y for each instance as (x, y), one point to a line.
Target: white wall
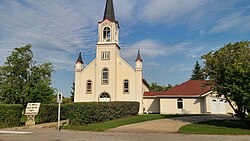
(191, 105)
(151, 105)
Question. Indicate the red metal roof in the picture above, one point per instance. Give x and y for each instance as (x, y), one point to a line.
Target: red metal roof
(190, 88)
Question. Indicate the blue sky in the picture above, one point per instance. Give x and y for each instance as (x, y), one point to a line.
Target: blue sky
(171, 34)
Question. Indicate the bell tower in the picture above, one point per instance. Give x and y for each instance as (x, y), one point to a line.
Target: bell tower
(108, 29)
(107, 53)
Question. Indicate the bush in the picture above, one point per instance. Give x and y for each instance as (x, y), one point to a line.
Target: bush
(47, 113)
(10, 114)
(87, 112)
(95, 112)
(248, 118)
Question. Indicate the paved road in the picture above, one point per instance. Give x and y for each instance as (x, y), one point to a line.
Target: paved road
(158, 130)
(53, 135)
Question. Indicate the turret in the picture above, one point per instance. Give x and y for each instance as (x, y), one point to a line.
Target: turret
(138, 75)
(79, 63)
(138, 62)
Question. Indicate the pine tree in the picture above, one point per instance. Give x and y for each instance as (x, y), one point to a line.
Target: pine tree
(197, 72)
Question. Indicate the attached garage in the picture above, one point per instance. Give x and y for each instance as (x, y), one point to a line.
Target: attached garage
(218, 106)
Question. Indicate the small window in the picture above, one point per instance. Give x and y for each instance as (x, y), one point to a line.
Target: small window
(213, 100)
(106, 34)
(89, 87)
(105, 95)
(105, 55)
(126, 86)
(179, 103)
(105, 76)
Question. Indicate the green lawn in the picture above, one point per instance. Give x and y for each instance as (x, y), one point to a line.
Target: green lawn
(217, 127)
(119, 122)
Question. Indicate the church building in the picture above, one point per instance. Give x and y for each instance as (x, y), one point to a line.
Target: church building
(108, 77)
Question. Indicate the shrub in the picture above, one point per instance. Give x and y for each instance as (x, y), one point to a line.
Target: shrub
(10, 114)
(47, 113)
(248, 118)
(95, 112)
(87, 112)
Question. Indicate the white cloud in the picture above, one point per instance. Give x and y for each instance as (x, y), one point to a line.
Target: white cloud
(152, 48)
(55, 27)
(237, 22)
(151, 65)
(167, 10)
(125, 11)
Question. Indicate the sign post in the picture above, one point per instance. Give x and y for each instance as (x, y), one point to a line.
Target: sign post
(31, 111)
(59, 100)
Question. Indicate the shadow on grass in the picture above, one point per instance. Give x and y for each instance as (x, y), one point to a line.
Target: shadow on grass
(227, 123)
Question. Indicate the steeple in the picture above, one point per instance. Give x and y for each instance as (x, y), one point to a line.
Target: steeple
(79, 60)
(109, 11)
(138, 56)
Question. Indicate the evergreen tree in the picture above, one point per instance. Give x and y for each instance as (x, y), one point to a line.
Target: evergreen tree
(197, 72)
(22, 81)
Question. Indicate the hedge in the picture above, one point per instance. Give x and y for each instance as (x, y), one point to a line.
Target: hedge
(87, 112)
(48, 113)
(95, 112)
(10, 115)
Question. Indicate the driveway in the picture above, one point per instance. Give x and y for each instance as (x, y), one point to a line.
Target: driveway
(167, 125)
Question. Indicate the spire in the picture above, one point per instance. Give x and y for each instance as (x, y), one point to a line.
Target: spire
(79, 60)
(138, 56)
(109, 11)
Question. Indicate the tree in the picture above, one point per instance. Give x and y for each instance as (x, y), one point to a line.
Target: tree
(158, 88)
(22, 81)
(198, 73)
(228, 71)
(73, 91)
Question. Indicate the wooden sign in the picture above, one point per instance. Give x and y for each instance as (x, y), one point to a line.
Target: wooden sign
(32, 108)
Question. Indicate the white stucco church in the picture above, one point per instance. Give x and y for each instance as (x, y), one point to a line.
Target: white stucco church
(108, 77)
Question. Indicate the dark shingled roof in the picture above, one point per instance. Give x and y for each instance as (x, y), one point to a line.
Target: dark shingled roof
(109, 11)
(190, 88)
(138, 56)
(79, 60)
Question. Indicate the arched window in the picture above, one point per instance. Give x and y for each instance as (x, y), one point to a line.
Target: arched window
(89, 87)
(126, 86)
(105, 76)
(179, 103)
(104, 97)
(106, 34)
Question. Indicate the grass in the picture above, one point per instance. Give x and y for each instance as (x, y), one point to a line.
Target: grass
(119, 122)
(217, 127)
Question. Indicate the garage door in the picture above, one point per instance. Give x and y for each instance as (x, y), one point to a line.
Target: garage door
(218, 106)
